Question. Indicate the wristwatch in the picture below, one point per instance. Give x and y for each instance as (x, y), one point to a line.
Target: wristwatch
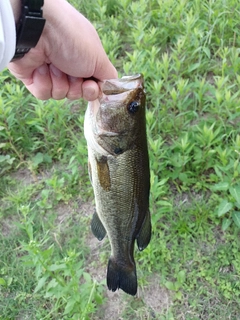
(29, 27)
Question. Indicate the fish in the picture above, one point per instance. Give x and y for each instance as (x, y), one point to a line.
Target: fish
(118, 165)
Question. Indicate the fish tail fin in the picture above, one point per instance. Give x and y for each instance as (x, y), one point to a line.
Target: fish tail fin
(121, 277)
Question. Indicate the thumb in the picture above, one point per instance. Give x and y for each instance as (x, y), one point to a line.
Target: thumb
(104, 69)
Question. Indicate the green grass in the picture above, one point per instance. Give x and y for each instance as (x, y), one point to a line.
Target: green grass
(188, 52)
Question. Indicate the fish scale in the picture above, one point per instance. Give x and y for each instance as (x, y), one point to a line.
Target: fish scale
(115, 130)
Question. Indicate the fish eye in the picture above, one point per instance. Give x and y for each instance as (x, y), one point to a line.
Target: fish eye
(133, 107)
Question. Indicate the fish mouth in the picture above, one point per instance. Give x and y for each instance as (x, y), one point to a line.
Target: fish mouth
(115, 87)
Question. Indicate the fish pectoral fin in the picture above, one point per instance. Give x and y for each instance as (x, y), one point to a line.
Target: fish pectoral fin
(97, 227)
(144, 235)
(121, 277)
(103, 173)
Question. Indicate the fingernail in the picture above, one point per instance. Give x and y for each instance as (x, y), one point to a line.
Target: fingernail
(43, 70)
(56, 71)
(90, 94)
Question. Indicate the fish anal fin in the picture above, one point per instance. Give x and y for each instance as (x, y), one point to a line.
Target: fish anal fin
(97, 227)
(121, 277)
(144, 235)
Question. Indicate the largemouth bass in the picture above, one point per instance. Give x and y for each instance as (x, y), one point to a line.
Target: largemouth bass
(115, 130)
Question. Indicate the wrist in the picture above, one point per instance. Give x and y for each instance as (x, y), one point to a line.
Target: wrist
(29, 26)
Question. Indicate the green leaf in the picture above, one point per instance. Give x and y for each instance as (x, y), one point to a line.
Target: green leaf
(47, 158)
(183, 177)
(226, 223)
(224, 207)
(181, 277)
(51, 293)
(235, 192)
(170, 285)
(9, 281)
(221, 186)
(70, 306)
(37, 159)
(3, 282)
(236, 218)
(98, 298)
(52, 284)
(87, 277)
(162, 182)
(207, 52)
(237, 204)
(40, 284)
(55, 267)
(194, 67)
(48, 252)
(4, 158)
(164, 203)
(178, 295)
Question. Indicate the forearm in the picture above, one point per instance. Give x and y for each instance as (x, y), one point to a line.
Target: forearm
(7, 33)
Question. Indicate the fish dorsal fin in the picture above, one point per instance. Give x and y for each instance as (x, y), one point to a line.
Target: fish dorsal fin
(97, 227)
(144, 235)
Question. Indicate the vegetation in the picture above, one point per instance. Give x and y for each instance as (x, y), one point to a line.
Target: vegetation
(188, 52)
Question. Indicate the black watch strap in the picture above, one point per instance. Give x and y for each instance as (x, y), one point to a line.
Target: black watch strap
(29, 27)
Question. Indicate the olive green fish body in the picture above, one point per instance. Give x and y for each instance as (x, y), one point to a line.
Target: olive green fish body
(119, 172)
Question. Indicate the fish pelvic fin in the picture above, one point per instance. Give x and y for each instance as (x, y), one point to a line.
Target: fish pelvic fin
(144, 235)
(121, 277)
(97, 227)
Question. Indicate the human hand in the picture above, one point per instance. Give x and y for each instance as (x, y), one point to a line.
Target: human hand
(69, 52)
